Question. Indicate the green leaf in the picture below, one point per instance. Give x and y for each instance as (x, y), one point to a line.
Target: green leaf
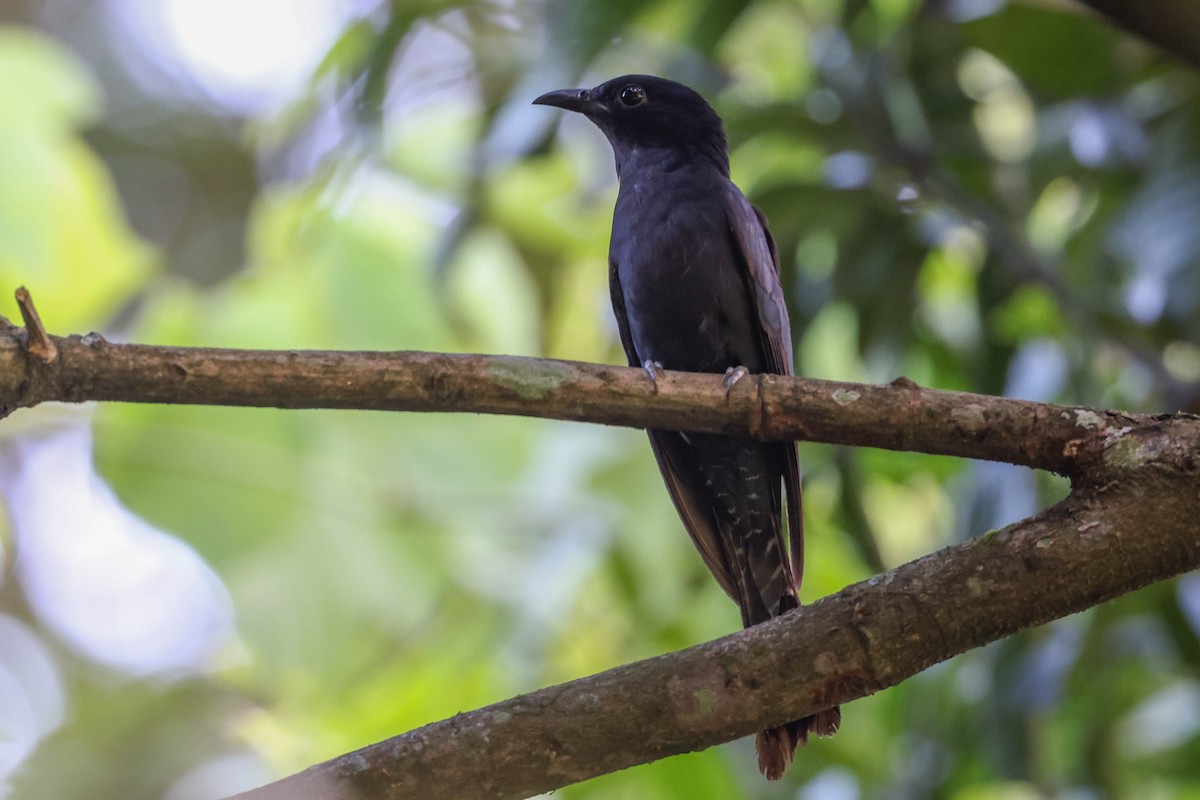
(1057, 52)
(42, 83)
(62, 229)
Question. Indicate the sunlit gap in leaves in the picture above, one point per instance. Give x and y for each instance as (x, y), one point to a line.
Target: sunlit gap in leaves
(243, 57)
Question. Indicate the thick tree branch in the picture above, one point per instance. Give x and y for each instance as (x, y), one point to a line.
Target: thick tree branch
(1131, 520)
(1173, 25)
(1135, 525)
(896, 416)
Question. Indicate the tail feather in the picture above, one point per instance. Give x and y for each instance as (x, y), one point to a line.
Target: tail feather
(729, 494)
(777, 746)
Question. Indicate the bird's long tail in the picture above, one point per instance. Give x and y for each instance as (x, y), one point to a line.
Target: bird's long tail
(777, 746)
(744, 546)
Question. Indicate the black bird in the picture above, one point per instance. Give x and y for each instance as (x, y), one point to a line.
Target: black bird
(694, 278)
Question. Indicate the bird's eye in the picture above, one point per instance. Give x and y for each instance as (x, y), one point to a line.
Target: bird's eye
(632, 95)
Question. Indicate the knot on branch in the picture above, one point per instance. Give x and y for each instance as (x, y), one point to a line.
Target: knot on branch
(36, 380)
(37, 342)
(1139, 448)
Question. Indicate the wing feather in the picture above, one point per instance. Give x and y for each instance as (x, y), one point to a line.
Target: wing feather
(696, 512)
(749, 227)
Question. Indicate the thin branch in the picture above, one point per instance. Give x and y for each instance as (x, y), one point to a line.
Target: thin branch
(895, 416)
(38, 342)
(1134, 526)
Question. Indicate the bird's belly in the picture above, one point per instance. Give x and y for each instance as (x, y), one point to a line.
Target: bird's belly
(686, 300)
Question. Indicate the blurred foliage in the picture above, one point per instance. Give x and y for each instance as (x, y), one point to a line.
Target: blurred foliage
(983, 196)
(61, 224)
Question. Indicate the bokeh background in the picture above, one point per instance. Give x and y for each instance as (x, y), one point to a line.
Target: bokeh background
(994, 196)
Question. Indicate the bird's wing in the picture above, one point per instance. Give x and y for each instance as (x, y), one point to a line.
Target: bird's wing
(762, 272)
(762, 265)
(622, 315)
(695, 510)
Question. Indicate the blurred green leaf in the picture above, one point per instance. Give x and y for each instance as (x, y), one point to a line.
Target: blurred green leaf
(43, 85)
(61, 225)
(1029, 312)
(1055, 52)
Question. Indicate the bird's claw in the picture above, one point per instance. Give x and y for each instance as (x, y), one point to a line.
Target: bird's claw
(655, 370)
(732, 376)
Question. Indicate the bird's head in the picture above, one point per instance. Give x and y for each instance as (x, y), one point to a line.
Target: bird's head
(645, 112)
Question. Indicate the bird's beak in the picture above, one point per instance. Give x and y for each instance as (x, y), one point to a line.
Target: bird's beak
(569, 99)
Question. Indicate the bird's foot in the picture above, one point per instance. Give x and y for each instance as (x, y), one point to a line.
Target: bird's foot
(732, 376)
(655, 370)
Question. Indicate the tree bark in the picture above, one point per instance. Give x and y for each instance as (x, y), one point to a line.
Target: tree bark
(1131, 519)
(895, 416)
(1133, 524)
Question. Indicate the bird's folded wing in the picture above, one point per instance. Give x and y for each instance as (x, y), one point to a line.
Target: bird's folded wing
(696, 511)
(761, 262)
(758, 253)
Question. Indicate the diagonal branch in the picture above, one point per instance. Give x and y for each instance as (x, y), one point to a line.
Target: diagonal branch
(1136, 526)
(895, 416)
(1130, 521)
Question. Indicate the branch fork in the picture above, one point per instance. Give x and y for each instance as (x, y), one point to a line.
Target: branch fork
(1130, 520)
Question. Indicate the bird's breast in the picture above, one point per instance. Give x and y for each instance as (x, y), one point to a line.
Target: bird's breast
(681, 275)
